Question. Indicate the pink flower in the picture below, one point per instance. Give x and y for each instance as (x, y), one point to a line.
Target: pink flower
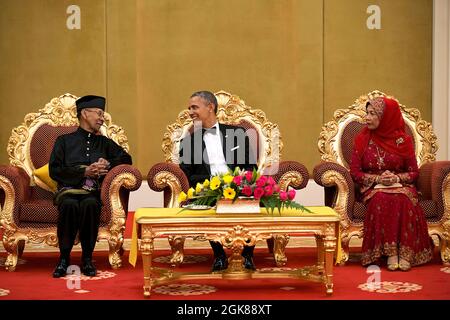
(291, 194)
(247, 191)
(268, 190)
(248, 176)
(237, 180)
(270, 181)
(258, 193)
(276, 188)
(261, 182)
(283, 195)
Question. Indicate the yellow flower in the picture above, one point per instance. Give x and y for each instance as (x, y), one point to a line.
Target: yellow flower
(190, 194)
(228, 179)
(182, 197)
(229, 193)
(198, 187)
(206, 183)
(215, 183)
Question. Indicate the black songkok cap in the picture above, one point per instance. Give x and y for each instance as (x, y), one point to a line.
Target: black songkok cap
(90, 102)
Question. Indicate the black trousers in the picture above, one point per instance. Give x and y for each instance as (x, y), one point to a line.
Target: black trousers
(220, 252)
(78, 214)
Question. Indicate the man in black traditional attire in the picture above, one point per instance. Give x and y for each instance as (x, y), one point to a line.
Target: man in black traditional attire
(78, 163)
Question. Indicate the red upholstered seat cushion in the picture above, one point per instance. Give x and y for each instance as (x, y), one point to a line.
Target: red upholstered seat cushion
(40, 208)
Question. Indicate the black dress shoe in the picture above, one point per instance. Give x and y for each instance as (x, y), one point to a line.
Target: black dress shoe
(88, 268)
(220, 263)
(61, 268)
(248, 263)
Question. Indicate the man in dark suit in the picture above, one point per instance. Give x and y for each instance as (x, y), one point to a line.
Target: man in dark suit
(212, 149)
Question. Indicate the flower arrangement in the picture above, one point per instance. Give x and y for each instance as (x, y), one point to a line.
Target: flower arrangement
(242, 184)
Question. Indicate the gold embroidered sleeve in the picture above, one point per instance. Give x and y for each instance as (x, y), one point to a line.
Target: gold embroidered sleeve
(369, 179)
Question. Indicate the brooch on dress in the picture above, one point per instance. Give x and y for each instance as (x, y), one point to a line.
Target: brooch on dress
(399, 141)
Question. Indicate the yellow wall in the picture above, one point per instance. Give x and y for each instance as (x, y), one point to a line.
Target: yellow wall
(41, 59)
(298, 60)
(397, 59)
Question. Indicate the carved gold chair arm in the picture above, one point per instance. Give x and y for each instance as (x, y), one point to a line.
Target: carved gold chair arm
(14, 189)
(121, 177)
(168, 177)
(339, 186)
(291, 174)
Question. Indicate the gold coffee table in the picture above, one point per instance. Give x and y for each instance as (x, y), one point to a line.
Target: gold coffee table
(234, 231)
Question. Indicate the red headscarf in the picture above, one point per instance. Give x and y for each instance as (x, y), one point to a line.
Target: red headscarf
(390, 134)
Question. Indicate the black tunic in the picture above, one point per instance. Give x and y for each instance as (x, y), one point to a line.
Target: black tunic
(73, 151)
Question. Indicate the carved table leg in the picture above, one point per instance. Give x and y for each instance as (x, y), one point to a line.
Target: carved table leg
(330, 247)
(236, 260)
(236, 239)
(146, 247)
(320, 253)
(281, 241)
(177, 246)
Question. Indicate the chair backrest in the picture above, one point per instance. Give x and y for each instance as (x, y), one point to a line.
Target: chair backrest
(337, 136)
(233, 111)
(31, 143)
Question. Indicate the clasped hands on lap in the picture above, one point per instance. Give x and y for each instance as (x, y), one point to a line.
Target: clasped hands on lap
(97, 169)
(387, 178)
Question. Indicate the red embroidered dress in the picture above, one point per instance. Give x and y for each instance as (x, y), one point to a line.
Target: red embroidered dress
(394, 223)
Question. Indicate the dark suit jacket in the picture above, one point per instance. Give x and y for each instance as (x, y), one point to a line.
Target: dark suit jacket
(236, 149)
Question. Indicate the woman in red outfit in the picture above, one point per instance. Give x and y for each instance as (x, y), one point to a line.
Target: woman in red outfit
(384, 167)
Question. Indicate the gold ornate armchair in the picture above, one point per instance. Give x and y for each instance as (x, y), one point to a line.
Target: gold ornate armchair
(27, 211)
(335, 146)
(169, 178)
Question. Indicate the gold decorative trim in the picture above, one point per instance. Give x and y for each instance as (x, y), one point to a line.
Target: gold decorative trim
(290, 178)
(167, 179)
(231, 111)
(116, 228)
(280, 243)
(177, 245)
(330, 137)
(6, 217)
(10, 237)
(333, 178)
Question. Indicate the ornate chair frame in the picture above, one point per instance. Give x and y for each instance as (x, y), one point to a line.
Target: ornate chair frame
(17, 180)
(333, 172)
(232, 110)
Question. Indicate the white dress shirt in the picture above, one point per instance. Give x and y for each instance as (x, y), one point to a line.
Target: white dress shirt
(214, 149)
